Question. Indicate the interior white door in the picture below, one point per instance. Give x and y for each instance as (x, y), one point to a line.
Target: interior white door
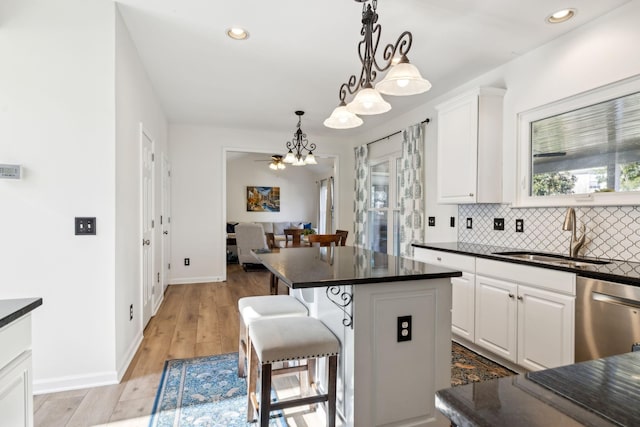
(146, 160)
(166, 222)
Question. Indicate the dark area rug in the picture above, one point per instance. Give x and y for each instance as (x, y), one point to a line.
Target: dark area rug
(469, 367)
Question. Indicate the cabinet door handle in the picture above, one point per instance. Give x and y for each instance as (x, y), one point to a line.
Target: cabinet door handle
(470, 194)
(520, 298)
(439, 259)
(511, 295)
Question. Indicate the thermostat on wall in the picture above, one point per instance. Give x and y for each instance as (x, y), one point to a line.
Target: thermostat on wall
(10, 171)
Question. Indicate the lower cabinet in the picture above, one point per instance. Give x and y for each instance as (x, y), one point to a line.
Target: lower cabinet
(546, 323)
(16, 401)
(528, 326)
(462, 288)
(521, 313)
(496, 310)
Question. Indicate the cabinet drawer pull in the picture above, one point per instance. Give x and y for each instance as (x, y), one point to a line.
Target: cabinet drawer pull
(439, 259)
(470, 194)
(511, 295)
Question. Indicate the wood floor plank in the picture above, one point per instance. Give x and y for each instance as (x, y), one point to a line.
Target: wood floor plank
(57, 412)
(97, 406)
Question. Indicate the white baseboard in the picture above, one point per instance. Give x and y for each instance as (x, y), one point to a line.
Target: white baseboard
(128, 357)
(74, 382)
(188, 280)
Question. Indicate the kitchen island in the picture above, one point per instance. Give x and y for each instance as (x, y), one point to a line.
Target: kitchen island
(392, 316)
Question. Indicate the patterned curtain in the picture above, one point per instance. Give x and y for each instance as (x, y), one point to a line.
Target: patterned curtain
(360, 200)
(411, 189)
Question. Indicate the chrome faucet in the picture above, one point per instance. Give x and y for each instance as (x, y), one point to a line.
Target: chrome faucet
(570, 225)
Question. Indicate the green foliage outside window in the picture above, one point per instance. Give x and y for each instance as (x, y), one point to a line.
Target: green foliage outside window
(553, 183)
(630, 177)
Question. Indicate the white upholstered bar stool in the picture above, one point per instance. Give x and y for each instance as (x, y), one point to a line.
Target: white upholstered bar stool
(262, 307)
(280, 340)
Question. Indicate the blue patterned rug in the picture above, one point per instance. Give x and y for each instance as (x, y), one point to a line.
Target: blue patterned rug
(203, 392)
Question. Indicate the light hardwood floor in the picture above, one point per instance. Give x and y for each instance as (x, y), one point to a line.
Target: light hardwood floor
(194, 320)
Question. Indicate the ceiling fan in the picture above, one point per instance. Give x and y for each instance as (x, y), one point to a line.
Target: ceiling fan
(277, 162)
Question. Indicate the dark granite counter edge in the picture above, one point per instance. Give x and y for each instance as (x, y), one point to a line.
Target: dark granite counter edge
(372, 280)
(363, 281)
(584, 273)
(30, 305)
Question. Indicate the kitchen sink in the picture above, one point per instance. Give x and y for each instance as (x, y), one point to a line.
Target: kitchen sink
(553, 259)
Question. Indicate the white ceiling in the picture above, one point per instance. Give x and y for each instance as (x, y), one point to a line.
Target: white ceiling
(300, 51)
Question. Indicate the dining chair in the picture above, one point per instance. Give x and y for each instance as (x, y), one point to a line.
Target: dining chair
(324, 239)
(343, 236)
(295, 235)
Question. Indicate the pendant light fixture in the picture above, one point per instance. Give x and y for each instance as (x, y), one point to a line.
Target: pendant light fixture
(277, 163)
(403, 78)
(298, 145)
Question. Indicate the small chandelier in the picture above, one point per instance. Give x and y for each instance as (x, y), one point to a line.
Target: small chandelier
(298, 145)
(277, 162)
(402, 79)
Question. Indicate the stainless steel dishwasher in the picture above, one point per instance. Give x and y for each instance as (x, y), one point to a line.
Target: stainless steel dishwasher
(607, 318)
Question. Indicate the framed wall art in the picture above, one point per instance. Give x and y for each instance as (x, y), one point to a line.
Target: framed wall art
(263, 199)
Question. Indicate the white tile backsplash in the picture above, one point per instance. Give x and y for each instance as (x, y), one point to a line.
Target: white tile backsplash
(612, 231)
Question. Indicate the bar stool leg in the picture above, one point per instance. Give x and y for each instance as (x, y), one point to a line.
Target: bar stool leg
(331, 392)
(251, 384)
(243, 347)
(265, 394)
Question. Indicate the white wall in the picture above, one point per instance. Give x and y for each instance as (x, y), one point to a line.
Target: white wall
(136, 104)
(298, 190)
(57, 121)
(198, 197)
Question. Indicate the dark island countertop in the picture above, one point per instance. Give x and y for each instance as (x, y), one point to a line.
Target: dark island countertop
(13, 309)
(310, 267)
(620, 271)
(601, 392)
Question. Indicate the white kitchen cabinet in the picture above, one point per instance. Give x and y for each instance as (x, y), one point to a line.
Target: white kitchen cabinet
(495, 316)
(16, 399)
(525, 314)
(469, 160)
(545, 328)
(462, 289)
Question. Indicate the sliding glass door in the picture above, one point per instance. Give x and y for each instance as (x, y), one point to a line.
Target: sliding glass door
(384, 206)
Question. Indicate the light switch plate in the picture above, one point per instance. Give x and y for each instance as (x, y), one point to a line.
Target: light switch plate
(85, 226)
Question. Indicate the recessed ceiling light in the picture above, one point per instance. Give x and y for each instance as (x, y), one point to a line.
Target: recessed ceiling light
(561, 16)
(237, 33)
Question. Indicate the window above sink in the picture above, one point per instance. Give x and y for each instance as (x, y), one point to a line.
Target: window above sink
(582, 150)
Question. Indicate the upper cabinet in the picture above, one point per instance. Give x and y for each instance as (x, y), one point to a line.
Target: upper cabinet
(582, 150)
(470, 147)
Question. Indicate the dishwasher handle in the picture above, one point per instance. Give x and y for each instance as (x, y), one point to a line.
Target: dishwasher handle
(612, 299)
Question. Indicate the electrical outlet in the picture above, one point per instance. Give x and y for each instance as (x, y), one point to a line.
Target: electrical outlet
(187, 261)
(432, 221)
(498, 224)
(404, 328)
(85, 226)
(452, 221)
(131, 312)
(519, 225)
(469, 223)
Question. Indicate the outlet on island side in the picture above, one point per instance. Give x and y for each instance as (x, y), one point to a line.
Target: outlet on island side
(131, 312)
(404, 328)
(187, 261)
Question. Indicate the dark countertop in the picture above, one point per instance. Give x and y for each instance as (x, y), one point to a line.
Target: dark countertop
(310, 267)
(13, 309)
(616, 271)
(601, 392)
